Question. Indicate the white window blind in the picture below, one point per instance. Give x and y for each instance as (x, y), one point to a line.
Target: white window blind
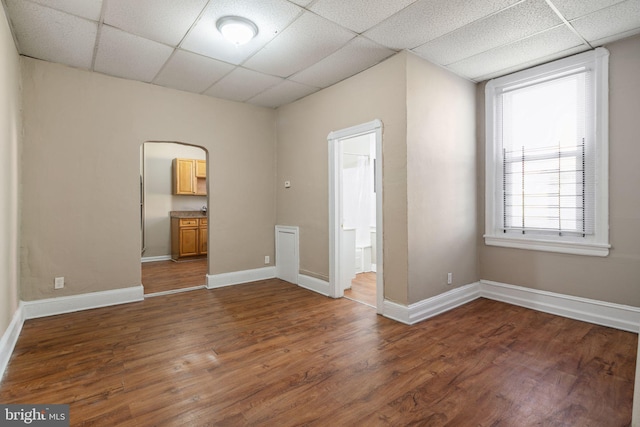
(547, 178)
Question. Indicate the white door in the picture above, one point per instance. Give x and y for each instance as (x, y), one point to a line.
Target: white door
(287, 259)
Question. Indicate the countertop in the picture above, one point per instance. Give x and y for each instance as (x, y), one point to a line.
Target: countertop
(187, 214)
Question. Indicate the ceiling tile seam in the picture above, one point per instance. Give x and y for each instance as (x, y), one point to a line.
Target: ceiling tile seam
(444, 67)
(103, 11)
(235, 67)
(46, 6)
(567, 23)
(173, 53)
(278, 84)
(178, 46)
(311, 4)
(391, 16)
(473, 22)
(241, 64)
(355, 36)
(302, 12)
(193, 24)
(352, 41)
(307, 7)
(503, 45)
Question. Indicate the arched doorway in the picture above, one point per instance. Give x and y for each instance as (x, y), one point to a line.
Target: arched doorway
(173, 217)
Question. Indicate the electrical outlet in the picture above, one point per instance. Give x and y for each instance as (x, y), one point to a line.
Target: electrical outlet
(267, 260)
(58, 283)
(449, 278)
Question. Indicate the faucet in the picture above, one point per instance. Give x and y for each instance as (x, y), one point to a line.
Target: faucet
(204, 209)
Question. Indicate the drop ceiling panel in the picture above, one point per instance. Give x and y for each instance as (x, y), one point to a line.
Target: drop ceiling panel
(125, 55)
(164, 21)
(608, 22)
(533, 63)
(191, 72)
(271, 17)
(528, 50)
(51, 35)
(176, 43)
(284, 93)
(308, 40)
(502, 28)
(356, 56)
(572, 9)
(89, 9)
(358, 15)
(619, 36)
(242, 84)
(426, 20)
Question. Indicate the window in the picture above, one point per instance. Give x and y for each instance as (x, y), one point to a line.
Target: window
(547, 157)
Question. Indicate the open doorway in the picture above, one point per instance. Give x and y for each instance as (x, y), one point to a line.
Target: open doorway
(359, 218)
(174, 217)
(355, 217)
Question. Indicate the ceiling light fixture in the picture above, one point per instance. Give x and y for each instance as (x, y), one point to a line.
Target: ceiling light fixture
(236, 29)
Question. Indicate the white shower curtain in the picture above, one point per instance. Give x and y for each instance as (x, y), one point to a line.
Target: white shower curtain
(359, 200)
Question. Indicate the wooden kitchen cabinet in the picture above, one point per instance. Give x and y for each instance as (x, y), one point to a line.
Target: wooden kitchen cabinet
(202, 239)
(190, 177)
(201, 168)
(188, 237)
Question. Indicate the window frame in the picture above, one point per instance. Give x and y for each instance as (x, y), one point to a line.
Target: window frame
(597, 61)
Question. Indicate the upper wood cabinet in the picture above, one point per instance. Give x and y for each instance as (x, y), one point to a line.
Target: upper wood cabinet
(190, 177)
(201, 168)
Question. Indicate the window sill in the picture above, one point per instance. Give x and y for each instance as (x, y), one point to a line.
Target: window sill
(567, 247)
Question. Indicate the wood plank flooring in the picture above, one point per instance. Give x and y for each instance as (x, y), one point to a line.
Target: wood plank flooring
(271, 353)
(363, 289)
(162, 276)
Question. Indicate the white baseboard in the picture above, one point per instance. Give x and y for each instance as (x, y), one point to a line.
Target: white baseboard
(617, 316)
(156, 258)
(237, 277)
(430, 307)
(395, 311)
(443, 302)
(317, 285)
(10, 338)
(69, 304)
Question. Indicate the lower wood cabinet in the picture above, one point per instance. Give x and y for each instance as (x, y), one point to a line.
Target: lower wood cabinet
(188, 237)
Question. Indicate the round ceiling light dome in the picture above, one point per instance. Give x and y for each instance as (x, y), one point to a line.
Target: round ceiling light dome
(236, 29)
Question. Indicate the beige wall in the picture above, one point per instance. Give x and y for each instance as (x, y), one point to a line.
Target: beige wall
(429, 190)
(303, 127)
(81, 160)
(615, 278)
(441, 182)
(159, 199)
(10, 136)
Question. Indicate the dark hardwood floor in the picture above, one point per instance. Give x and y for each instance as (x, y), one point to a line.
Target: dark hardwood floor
(363, 289)
(270, 353)
(162, 276)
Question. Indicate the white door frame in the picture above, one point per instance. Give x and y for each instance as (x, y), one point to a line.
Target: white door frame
(335, 139)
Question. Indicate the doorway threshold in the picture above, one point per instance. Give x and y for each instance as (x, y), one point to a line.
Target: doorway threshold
(175, 291)
(361, 302)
